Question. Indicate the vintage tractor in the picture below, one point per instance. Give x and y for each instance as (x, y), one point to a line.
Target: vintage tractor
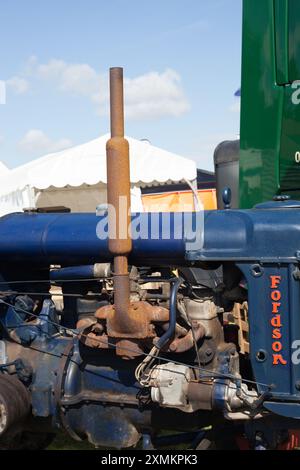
(146, 340)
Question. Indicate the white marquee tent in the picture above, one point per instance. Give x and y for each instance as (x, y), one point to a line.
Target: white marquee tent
(76, 177)
(3, 169)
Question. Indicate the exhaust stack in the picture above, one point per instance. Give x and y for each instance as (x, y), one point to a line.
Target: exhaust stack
(129, 325)
(118, 197)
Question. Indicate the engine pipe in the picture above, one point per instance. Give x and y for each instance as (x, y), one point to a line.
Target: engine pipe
(175, 284)
(118, 198)
(73, 273)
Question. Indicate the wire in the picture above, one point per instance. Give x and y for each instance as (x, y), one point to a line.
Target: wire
(91, 279)
(140, 373)
(164, 359)
(8, 364)
(39, 281)
(49, 294)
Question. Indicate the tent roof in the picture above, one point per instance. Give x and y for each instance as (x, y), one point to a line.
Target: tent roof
(86, 164)
(3, 169)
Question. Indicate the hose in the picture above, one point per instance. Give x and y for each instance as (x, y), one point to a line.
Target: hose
(175, 284)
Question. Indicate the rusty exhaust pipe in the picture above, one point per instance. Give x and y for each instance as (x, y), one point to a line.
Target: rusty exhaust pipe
(118, 198)
(129, 323)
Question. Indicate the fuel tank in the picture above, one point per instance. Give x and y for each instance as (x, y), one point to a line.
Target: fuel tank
(158, 238)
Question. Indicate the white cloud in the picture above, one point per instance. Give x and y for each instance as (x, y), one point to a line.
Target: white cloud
(36, 142)
(155, 95)
(18, 85)
(30, 65)
(148, 96)
(76, 79)
(79, 79)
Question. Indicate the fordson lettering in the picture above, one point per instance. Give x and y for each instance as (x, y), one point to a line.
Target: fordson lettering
(276, 321)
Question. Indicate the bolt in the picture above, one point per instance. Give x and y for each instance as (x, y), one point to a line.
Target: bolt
(297, 385)
(296, 274)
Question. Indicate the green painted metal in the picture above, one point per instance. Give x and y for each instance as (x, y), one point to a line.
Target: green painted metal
(281, 40)
(294, 39)
(270, 101)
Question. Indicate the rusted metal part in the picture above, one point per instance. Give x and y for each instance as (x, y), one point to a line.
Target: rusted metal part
(180, 345)
(92, 333)
(143, 316)
(85, 323)
(123, 320)
(126, 348)
(118, 198)
(130, 348)
(180, 331)
(140, 319)
(131, 340)
(116, 102)
(118, 175)
(92, 339)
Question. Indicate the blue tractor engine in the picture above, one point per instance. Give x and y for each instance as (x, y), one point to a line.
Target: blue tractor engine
(117, 339)
(68, 369)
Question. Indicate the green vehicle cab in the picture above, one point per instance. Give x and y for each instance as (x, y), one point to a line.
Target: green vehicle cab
(269, 151)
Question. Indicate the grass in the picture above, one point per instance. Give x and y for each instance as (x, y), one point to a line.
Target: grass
(64, 442)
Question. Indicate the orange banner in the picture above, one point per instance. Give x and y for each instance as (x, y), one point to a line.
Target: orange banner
(179, 201)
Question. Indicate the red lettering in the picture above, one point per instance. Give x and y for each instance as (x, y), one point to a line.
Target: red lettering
(277, 346)
(278, 359)
(275, 281)
(276, 333)
(276, 295)
(275, 307)
(276, 321)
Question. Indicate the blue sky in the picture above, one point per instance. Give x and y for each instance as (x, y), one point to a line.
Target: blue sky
(181, 58)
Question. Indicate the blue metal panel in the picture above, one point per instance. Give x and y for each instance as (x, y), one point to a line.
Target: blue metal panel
(261, 329)
(255, 234)
(71, 239)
